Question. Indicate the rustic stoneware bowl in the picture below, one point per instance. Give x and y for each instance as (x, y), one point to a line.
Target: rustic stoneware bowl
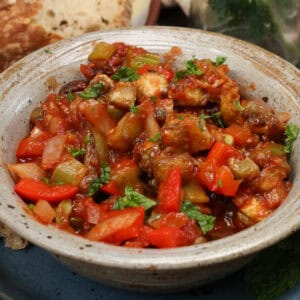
(26, 83)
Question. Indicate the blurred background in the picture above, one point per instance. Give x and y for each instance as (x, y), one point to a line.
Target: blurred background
(27, 25)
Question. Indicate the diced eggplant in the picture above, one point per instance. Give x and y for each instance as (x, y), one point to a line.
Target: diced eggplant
(151, 84)
(123, 95)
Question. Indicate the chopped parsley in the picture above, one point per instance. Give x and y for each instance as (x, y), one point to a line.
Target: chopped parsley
(220, 60)
(45, 179)
(205, 222)
(70, 96)
(238, 105)
(134, 109)
(77, 152)
(216, 117)
(48, 51)
(87, 139)
(96, 184)
(220, 183)
(133, 199)
(125, 74)
(180, 117)
(191, 69)
(155, 138)
(31, 206)
(291, 133)
(92, 91)
(153, 98)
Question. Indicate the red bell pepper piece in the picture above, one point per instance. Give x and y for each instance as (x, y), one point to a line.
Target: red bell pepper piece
(167, 237)
(219, 180)
(220, 153)
(29, 147)
(226, 184)
(213, 172)
(144, 69)
(111, 188)
(119, 226)
(169, 192)
(207, 175)
(35, 190)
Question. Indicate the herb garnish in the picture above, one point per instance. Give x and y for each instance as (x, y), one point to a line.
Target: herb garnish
(87, 139)
(205, 222)
(134, 109)
(155, 138)
(92, 91)
(96, 184)
(238, 105)
(77, 152)
(125, 74)
(216, 117)
(220, 60)
(291, 133)
(48, 51)
(70, 96)
(191, 69)
(133, 199)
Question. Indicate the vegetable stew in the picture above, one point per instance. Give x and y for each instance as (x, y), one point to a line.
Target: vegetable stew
(140, 153)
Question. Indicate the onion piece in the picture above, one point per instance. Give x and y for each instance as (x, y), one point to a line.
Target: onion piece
(26, 170)
(53, 151)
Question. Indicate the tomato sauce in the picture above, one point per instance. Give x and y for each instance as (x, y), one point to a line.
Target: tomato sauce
(142, 153)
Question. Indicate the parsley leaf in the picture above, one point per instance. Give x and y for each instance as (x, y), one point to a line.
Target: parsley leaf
(238, 105)
(125, 74)
(70, 96)
(220, 183)
(77, 152)
(96, 184)
(87, 139)
(153, 98)
(133, 199)
(45, 179)
(220, 60)
(191, 69)
(216, 117)
(155, 138)
(92, 91)
(48, 51)
(291, 133)
(205, 222)
(134, 109)
(180, 117)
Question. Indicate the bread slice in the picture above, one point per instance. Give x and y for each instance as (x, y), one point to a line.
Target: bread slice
(30, 24)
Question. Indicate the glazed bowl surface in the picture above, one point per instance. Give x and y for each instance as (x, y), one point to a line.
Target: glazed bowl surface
(29, 81)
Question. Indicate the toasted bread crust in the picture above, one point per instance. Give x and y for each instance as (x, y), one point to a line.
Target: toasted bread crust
(28, 25)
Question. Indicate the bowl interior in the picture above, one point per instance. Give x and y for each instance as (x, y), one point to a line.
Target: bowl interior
(29, 81)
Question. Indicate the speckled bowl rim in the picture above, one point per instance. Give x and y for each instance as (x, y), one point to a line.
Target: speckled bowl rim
(278, 226)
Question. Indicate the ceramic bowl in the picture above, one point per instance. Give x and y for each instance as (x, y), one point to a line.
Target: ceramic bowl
(27, 82)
